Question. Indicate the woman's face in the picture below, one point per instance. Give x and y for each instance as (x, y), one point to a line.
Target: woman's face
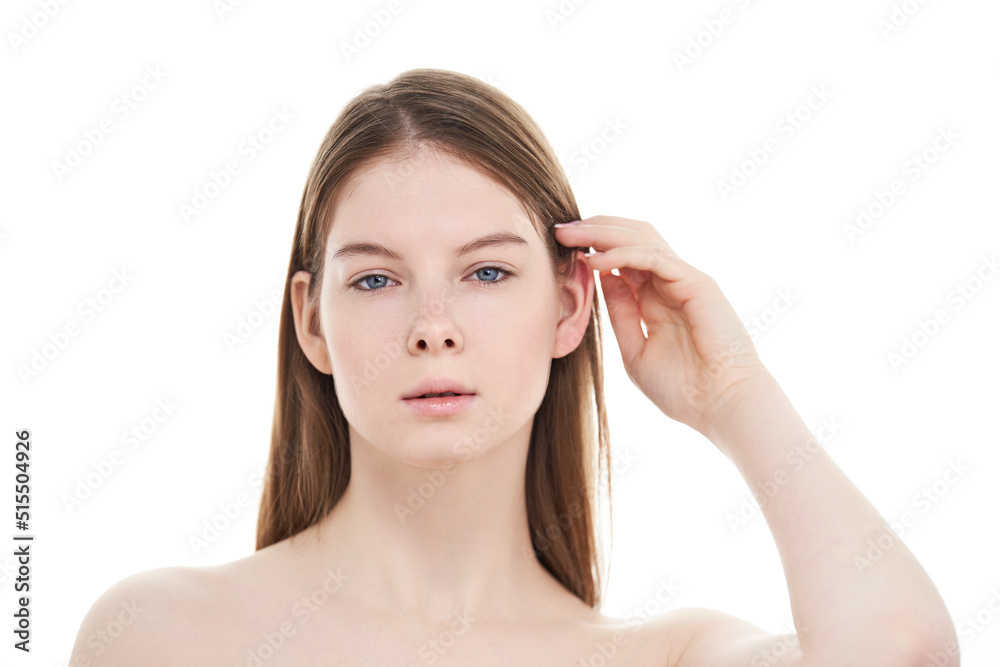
(489, 316)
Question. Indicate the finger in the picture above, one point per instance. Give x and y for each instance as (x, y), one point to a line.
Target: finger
(606, 235)
(627, 223)
(660, 261)
(635, 278)
(615, 220)
(623, 311)
(679, 281)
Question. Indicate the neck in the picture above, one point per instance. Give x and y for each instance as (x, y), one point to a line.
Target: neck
(434, 544)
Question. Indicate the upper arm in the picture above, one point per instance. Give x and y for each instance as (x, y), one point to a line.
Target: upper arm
(134, 623)
(698, 637)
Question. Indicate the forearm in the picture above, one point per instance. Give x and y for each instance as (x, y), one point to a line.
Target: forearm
(858, 596)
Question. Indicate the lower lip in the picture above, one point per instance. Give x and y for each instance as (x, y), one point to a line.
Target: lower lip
(440, 406)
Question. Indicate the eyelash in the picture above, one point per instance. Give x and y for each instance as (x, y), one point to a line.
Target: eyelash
(507, 274)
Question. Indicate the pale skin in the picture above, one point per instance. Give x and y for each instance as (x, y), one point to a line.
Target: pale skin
(402, 578)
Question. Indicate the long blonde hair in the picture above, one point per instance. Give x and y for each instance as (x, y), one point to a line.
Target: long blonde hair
(569, 457)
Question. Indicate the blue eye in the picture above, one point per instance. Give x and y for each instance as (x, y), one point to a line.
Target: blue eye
(370, 288)
(492, 268)
(499, 276)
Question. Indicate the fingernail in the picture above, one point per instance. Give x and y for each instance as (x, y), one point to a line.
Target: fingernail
(565, 224)
(591, 254)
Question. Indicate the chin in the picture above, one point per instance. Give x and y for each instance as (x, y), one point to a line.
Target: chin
(433, 456)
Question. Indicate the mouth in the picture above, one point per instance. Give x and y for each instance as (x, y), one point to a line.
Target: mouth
(438, 387)
(440, 404)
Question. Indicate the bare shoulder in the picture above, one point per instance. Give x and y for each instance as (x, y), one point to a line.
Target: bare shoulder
(185, 615)
(151, 618)
(696, 636)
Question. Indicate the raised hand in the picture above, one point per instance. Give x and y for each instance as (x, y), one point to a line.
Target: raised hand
(698, 357)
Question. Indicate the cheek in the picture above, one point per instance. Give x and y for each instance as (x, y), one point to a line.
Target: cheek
(525, 332)
(513, 352)
(363, 351)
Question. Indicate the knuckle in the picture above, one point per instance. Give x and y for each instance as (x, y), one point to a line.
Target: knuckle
(658, 256)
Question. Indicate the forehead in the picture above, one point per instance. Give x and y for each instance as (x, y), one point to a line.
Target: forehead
(430, 196)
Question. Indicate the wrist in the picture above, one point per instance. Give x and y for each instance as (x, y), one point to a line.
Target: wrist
(744, 405)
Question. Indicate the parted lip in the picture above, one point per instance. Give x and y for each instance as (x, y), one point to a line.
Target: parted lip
(438, 385)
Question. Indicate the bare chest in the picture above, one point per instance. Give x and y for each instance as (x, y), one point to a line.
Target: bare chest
(303, 638)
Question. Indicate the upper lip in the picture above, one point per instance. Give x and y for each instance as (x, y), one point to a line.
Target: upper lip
(438, 385)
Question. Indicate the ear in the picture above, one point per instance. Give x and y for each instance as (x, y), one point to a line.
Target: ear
(577, 298)
(307, 324)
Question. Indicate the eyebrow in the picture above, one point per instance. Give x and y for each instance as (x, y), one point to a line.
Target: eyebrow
(377, 249)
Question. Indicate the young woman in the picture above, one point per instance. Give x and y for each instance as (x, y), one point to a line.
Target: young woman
(440, 442)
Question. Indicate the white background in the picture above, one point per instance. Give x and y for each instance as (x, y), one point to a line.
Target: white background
(683, 129)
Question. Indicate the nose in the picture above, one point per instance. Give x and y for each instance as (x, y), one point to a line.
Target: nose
(434, 329)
